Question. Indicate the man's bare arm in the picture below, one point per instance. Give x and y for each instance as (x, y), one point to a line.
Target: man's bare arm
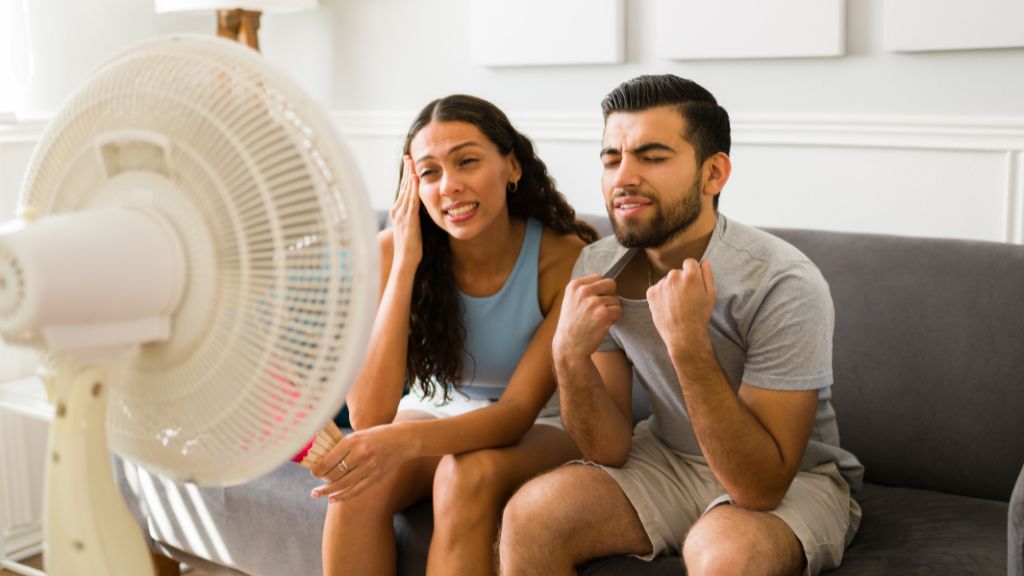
(594, 387)
(595, 397)
(753, 441)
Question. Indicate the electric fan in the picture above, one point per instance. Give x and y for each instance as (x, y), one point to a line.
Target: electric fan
(197, 260)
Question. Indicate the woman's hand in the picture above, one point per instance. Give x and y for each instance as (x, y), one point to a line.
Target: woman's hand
(405, 219)
(361, 460)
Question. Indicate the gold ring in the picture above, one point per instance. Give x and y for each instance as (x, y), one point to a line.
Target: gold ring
(343, 467)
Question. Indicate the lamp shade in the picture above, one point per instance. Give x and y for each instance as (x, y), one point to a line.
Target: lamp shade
(255, 5)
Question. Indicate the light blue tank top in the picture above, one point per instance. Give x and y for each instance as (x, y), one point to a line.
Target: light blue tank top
(500, 327)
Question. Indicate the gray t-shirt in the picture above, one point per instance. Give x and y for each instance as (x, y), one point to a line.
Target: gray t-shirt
(771, 328)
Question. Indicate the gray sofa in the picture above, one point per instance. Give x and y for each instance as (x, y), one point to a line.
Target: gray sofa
(929, 392)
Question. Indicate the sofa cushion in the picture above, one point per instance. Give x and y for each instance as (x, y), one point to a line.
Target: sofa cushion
(904, 531)
(908, 531)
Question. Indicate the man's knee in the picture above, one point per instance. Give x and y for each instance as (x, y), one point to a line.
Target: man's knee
(731, 541)
(526, 506)
(531, 525)
(709, 549)
(538, 511)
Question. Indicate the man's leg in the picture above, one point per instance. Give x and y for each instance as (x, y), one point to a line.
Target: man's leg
(731, 540)
(566, 517)
(807, 533)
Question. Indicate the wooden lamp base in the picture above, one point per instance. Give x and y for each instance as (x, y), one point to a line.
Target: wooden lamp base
(240, 25)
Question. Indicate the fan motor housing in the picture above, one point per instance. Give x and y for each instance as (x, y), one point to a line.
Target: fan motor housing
(93, 279)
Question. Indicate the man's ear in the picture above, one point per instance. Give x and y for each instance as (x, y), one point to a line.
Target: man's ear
(716, 173)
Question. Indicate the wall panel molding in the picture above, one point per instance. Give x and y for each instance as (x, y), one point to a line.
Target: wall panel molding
(914, 132)
(925, 163)
(1015, 197)
(921, 132)
(20, 130)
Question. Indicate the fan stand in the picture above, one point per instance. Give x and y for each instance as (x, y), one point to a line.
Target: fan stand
(89, 529)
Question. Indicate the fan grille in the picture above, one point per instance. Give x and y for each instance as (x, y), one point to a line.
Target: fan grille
(273, 323)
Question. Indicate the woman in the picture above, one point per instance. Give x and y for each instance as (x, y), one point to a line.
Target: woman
(473, 268)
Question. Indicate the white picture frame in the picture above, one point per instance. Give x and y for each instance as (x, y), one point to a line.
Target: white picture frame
(721, 29)
(546, 32)
(925, 25)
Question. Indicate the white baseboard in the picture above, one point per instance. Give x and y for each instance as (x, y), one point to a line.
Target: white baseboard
(25, 540)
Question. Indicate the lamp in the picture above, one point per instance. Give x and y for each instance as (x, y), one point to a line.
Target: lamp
(236, 19)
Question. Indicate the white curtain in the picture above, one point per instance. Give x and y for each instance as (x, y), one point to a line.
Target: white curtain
(17, 65)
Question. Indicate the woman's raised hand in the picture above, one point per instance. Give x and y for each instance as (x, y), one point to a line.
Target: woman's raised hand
(405, 218)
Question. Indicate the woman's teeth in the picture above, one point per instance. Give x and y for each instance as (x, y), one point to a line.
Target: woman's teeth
(460, 210)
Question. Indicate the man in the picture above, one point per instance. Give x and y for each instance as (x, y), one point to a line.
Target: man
(730, 330)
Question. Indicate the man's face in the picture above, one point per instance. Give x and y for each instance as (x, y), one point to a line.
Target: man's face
(651, 182)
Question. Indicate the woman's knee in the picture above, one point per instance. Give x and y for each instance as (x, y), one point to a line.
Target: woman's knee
(393, 493)
(469, 479)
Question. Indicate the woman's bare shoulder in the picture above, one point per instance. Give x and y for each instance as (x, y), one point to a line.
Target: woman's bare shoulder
(558, 247)
(558, 254)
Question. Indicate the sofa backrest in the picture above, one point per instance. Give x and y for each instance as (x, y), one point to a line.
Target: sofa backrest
(928, 357)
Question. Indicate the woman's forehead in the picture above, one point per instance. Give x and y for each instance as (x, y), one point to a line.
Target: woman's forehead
(438, 139)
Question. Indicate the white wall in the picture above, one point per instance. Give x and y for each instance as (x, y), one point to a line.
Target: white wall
(397, 54)
(922, 143)
(72, 37)
(400, 53)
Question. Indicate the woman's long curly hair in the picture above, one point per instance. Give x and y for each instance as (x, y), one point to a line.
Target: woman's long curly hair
(437, 334)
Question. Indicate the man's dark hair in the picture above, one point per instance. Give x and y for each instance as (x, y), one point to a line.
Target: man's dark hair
(707, 123)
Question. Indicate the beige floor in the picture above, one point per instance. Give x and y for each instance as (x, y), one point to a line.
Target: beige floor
(34, 562)
(37, 562)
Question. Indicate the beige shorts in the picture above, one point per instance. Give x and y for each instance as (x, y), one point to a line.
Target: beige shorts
(670, 491)
(460, 404)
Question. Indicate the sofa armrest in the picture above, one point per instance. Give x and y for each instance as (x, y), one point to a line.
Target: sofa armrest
(1015, 529)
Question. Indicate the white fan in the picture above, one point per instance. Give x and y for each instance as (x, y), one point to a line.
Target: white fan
(194, 241)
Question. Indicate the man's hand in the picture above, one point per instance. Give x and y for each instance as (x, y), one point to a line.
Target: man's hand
(589, 308)
(681, 304)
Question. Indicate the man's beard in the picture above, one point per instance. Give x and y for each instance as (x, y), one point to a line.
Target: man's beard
(664, 225)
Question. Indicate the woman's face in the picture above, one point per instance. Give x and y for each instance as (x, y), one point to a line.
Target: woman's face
(463, 177)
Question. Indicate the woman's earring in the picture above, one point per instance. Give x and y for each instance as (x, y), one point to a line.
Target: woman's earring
(512, 187)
